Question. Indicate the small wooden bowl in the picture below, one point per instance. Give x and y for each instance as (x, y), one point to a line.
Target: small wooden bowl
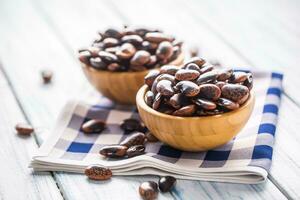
(120, 87)
(194, 133)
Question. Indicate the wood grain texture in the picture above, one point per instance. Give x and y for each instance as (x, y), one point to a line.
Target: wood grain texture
(194, 133)
(17, 181)
(198, 35)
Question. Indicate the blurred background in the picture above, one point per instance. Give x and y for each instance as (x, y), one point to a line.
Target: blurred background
(39, 34)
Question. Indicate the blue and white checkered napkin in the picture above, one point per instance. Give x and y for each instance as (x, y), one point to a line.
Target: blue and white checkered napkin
(245, 159)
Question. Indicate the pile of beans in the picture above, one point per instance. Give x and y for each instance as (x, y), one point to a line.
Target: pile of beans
(131, 146)
(197, 89)
(130, 49)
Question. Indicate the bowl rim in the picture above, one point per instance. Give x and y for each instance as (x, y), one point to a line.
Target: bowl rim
(179, 59)
(140, 101)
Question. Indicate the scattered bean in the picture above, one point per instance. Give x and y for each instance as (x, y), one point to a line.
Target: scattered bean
(95, 172)
(93, 126)
(24, 129)
(148, 190)
(113, 151)
(136, 150)
(137, 138)
(166, 183)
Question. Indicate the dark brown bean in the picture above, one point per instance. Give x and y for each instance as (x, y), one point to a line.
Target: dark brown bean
(131, 125)
(169, 69)
(47, 76)
(208, 77)
(110, 42)
(150, 137)
(166, 109)
(113, 151)
(136, 150)
(228, 104)
(152, 62)
(220, 84)
(126, 51)
(188, 88)
(165, 88)
(166, 183)
(210, 91)
(249, 81)
(193, 66)
(176, 53)
(238, 77)
(205, 104)
(137, 138)
(234, 92)
(114, 67)
(185, 111)
(244, 99)
(24, 129)
(136, 40)
(94, 51)
(151, 76)
(176, 100)
(148, 190)
(111, 32)
(97, 63)
(157, 101)
(158, 37)
(149, 98)
(112, 50)
(95, 172)
(149, 46)
(206, 68)
(107, 57)
(84, 57)
(224, 74)
(93, 126)
(164, 50)
(166, 77)
(140, 58)
(186, 74)
(198, 61)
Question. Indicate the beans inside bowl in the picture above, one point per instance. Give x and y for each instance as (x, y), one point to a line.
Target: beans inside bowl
(198, 88)
(130, 49)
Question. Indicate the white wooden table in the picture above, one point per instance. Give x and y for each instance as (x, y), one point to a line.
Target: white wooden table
(38, 34)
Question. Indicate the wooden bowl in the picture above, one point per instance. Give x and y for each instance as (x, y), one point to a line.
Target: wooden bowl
(194, 133)
(120, 87)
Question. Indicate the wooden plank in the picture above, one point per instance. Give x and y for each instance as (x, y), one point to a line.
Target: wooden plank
(17, 181)
(185, 188)
(260, 39)
(28, 45)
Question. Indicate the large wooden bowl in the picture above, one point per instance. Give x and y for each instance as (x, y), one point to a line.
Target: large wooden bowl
(120, 87)
(194, 133)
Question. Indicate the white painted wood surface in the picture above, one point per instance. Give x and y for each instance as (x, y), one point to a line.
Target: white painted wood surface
(51, 31)
(17, 181)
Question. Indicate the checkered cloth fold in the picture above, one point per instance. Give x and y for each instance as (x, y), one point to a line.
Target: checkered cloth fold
(245, 159)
